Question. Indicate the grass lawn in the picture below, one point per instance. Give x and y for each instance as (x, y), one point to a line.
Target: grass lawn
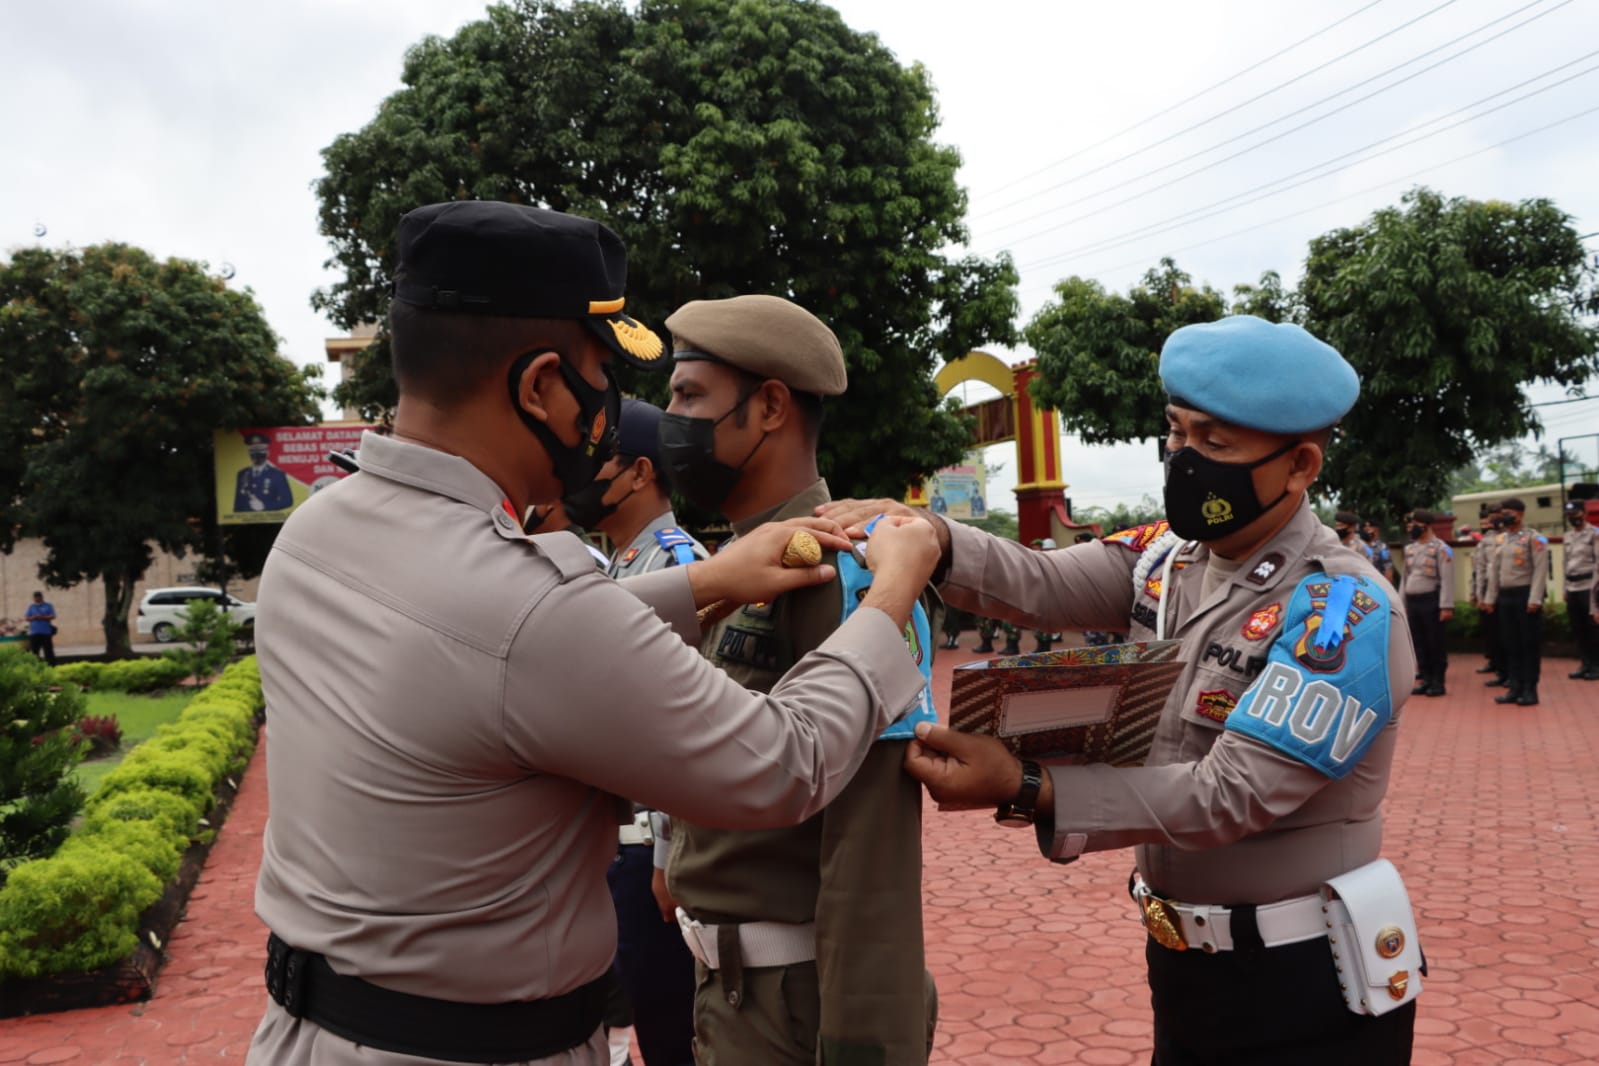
(139, 715)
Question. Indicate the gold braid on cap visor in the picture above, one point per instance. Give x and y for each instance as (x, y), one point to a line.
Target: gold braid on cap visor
(635, 339)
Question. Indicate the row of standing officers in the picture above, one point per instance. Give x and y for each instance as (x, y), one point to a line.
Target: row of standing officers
(456, 708)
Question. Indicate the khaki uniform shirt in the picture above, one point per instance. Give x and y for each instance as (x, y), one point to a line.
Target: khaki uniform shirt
(1582, 557)
(644, 553)
(1521, 560)
(1430, 568)
(855, 869)
(1360, 548)
(1217, 817)
(442, 754)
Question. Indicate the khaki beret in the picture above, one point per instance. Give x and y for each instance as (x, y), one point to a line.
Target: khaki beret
(767, 336)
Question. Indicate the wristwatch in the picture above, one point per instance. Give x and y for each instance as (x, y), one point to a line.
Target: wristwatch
(1020, 811)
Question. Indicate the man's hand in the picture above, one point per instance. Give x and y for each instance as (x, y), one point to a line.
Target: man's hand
(965, 771)
(1487, 608)
(854, 514)
(1534, 608)
(750, 569)
(902, 554)
(1446, 614)
(663, 898)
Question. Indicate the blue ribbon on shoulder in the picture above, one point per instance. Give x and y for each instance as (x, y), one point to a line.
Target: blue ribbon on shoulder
(1334, 611)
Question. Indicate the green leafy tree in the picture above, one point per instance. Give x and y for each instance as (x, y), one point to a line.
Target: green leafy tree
(1269, 300)
(1000, 523)
(739, 146)
(1446, 307)
(1098, 351)
(208, 635)
(1123, 516)
(38, 749)
(1509, 466)
(119, 367)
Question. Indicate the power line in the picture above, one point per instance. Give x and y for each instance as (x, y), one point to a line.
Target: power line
(1277, 136)
(1200, 214)
(1184, 101)
(1557, 403)
(1350, 196)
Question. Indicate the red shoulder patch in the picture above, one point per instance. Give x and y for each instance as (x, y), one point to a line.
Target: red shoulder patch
(1139, 537)
(1263, 622)
(629, 556)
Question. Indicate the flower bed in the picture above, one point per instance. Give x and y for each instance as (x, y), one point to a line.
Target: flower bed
(86, 925)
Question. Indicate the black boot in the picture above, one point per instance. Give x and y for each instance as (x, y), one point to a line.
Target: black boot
(1511, 695)
(1581, 673)
(1528, 697)
(986, 644)
(1042, 645)
(1499, 682)
(1421, 688)
(1010, 648)
(1487, 668)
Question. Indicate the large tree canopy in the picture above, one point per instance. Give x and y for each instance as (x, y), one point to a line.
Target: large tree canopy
(739, 146)
(1446, 307)
(1098, 351)
(118, 367)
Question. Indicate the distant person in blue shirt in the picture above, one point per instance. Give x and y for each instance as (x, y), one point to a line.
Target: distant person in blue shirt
(261, 486)
(42, 629)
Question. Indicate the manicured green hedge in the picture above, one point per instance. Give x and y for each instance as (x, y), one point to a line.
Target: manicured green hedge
(127, 675)
(1468, 622)
(79, 909)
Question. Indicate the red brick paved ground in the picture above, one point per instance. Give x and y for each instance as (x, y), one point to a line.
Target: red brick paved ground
(1492, 817)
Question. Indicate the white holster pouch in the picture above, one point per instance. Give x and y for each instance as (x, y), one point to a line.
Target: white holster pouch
(1372, 931)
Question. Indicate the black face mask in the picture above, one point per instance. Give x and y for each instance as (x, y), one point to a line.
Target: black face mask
(1343, 532)
(587, 507)
(1368, 535)
(688, 457)
(1209, 500)
(1577, 521)
(598, 414)
(1415, 529)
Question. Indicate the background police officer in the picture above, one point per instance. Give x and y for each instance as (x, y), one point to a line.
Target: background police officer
(630, 503)
(448, 738)
(1429, 591)
(1517, 580)
(1581, 561)
(809, 938)
(1251, 799)
(1347, 525)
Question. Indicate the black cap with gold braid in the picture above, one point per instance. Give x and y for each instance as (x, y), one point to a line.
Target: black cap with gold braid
(487, 257)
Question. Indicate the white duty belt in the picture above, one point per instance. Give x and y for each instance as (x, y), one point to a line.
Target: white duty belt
(1179, 926)
(636, 832)
(759, 943)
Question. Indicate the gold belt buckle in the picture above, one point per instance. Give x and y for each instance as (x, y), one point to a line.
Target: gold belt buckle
(1161, 922)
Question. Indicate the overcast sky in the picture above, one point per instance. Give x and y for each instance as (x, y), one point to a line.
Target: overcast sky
(1090, 140)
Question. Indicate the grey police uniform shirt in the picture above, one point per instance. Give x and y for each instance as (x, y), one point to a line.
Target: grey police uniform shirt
(1521, 560)
(644, 554)
(1430, 568)
(1217, 817)
(441, 725)
(1581, 557)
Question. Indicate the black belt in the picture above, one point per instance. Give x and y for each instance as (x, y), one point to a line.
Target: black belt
(305, 986)
(1579, 577)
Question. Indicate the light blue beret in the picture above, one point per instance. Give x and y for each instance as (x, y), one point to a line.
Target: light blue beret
(1268, 376)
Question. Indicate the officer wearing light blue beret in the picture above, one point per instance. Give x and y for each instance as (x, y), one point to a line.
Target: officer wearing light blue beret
(1254, 818)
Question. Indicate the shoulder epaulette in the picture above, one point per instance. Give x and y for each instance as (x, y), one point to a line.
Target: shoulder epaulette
(678, 543)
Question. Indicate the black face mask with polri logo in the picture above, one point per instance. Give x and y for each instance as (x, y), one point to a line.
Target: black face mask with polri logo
(1209, 500)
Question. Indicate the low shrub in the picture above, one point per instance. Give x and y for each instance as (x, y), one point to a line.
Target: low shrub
(126, 675)
(100, 735)
(79, 909)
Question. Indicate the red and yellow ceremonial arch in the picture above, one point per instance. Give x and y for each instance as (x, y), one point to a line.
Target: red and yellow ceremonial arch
(1041, 509)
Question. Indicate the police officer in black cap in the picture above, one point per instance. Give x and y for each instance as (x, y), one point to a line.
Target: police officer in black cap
(1581, 544)
(449, 739)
